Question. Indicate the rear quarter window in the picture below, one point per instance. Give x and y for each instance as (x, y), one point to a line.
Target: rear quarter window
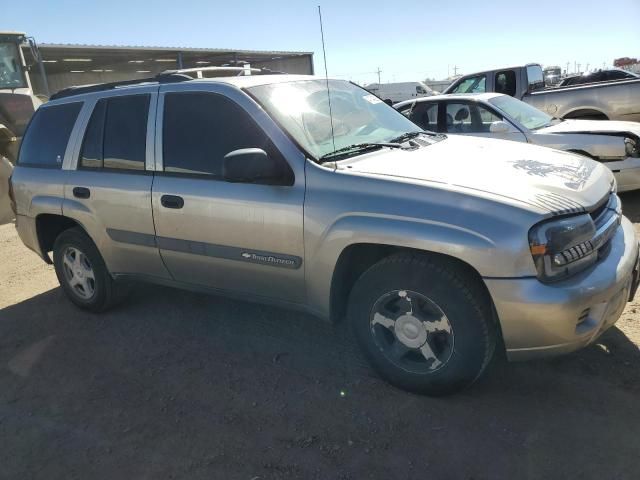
(47, 136)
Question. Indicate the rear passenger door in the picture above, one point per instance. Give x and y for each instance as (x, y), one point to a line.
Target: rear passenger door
(109, 188)
(236, 237)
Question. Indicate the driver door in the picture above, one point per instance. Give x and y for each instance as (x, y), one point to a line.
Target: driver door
(237, 237)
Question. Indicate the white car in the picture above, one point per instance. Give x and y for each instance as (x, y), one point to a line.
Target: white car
(492, 115)
(399, 91)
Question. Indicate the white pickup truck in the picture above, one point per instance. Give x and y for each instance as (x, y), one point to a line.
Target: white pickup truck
(613, 100)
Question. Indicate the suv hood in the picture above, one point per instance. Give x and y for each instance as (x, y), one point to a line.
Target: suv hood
(548, 181)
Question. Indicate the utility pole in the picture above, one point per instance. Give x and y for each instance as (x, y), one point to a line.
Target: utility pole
(378, 72)
(578, 68)
(587, 68)
(575, 67)
(455, 70)
(567, 70)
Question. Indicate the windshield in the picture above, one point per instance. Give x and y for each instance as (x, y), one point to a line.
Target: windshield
(521, 112)
(11, 74)
(302, 109)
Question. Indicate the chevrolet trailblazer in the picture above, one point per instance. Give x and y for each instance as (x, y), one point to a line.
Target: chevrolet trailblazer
(314, 194)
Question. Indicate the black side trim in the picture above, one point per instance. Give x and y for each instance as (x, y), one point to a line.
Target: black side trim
(207, 249)
(230, 253)
(134, 238)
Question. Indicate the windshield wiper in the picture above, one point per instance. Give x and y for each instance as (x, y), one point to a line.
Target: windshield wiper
(405, 136)
(358, 148)
(409, 135)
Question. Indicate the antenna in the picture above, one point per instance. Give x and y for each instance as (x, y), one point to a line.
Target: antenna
(326, 77)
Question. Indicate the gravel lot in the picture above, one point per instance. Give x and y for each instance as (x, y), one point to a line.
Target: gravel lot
(175, 384)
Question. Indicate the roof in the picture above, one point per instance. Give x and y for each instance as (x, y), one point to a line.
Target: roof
(498, 69)
(255, 80)
(459, 96)
(178, 77)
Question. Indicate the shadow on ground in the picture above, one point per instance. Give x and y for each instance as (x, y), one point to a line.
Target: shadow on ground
(180, 385)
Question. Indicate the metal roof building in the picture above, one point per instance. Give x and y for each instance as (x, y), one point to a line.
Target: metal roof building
(72, 64)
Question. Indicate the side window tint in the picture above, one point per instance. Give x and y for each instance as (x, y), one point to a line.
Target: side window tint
(91, 154)
(125, 132)
(458, 118)
(482, 118)
(469, 118)
(407, 110)
(46, 139)
(472, 85)
(201, 128)
(506, 83)
(116, 136)
(425, 115)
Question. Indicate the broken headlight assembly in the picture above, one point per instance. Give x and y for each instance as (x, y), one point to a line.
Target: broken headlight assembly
(562, 247)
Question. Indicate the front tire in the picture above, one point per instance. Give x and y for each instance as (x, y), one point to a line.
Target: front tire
(82, 272)
(424, 323)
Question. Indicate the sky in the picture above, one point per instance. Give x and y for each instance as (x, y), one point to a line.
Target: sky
(407, 40)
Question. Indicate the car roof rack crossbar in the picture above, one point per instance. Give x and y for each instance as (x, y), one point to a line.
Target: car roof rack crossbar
(164, 77)
(168, 76)
(230, 69)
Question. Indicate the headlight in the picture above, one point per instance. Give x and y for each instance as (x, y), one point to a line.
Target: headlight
(563, 247)
(631, 147)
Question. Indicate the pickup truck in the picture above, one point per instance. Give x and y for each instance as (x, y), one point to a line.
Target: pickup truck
(438, 250)
(614, 100)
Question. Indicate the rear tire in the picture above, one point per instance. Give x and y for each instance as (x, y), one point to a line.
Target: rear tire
(82, 272)
(424, 323)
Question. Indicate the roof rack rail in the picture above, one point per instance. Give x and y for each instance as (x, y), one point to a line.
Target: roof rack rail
(224, 71)
(164, 77)
(168, 76)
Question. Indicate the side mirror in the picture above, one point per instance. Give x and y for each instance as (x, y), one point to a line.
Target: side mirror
(500, 127)
(250, 165)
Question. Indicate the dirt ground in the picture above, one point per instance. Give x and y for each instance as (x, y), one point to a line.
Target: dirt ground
(175, 384)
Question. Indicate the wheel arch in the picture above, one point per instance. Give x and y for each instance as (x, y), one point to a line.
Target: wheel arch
(49, 226)
(357, 258)
(590, 112)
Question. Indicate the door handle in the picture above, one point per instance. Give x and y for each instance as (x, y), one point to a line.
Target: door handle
(172, 201)
(81, 192)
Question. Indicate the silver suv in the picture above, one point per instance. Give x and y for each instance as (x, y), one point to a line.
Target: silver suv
(316, 195)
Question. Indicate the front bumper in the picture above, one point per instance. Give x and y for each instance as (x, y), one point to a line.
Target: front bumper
(540, 320)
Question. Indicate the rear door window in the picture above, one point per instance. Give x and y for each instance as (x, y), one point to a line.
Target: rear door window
(116, 137)
(47, 136)
(425, 114)
(469, 118)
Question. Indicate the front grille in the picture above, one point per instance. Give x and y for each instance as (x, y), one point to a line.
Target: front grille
(606, 216)
(599, 209)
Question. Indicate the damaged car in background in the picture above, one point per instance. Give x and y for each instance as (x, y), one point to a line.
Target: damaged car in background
(616, 144)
